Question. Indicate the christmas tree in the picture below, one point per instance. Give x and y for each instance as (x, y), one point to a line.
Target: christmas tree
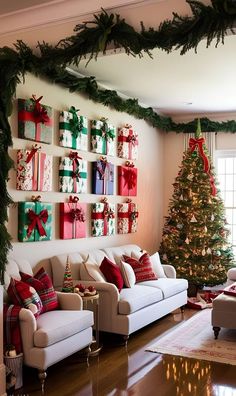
(195, 234)
(68, 281)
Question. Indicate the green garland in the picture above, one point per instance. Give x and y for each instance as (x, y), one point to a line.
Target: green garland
(184, 33)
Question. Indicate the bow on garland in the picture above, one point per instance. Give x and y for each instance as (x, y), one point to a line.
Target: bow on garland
(76, 124)
(36, 220)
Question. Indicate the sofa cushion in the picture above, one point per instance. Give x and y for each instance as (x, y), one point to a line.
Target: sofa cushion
(168, 286)
(20, 293)
(115, 254)
(91, 272)
(43, 285)
(128, 274)
(142, 267)
(55, 326)
(112, 273)
(138, 297)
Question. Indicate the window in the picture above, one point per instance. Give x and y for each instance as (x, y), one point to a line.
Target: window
(226, 174)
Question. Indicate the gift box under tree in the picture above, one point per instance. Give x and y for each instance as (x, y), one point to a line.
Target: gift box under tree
(127, 217)
(127, 179)
(127, 143)
(103, 219)
(34, 170)
(72, 219)
(102, 137)
(34, 120)
(73, 129)
(102, 177)
(34, 221)
(73, 174)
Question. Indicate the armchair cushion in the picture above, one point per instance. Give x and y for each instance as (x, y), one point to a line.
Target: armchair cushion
(22, 294)
(58, 325)
(43, 285)
(142, 267)
(112, 273)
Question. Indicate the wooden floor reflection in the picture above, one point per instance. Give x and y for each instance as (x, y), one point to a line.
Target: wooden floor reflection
(132, 371)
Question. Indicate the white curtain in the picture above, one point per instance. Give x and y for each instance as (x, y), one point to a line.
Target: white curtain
(210, 140)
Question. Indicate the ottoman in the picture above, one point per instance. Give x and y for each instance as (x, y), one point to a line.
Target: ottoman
(223, 313)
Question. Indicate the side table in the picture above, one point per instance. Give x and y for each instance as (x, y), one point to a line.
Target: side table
(95, 346)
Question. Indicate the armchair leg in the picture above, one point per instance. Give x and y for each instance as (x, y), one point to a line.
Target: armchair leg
(216, 331)
(125, 338)
(182, 308)
(42, 376)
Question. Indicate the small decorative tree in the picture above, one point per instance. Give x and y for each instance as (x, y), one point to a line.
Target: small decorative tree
(195, 235)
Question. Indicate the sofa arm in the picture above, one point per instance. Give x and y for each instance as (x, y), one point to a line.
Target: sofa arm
(104, 286)
(28, 325)
(169, 270)
(70, 301)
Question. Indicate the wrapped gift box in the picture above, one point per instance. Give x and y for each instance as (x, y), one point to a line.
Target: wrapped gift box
(102, 177)
(127, 180)
(102, 137)
(73, 130)
(103, 219)
(34, 221)
(127, 218)
(127, 143)
(72, 219)
(73, 174)
(34, 170)
(34, 120)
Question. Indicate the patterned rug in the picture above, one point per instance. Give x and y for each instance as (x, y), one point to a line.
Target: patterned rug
(194, 338)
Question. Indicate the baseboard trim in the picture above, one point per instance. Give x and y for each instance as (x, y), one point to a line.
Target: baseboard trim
(2, 380)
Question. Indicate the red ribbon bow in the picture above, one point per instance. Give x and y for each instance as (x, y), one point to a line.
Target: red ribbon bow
(198, 143)
(129, 178)
(36, 220)
(74, 157)
(73, 199)
(132, 139)
(77, 215)
(40, 113)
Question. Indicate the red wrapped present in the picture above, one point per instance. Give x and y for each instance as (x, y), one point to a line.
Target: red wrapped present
(34, 170)
(34, 120)
(127, 143)
(127, 179)
(230, 290)
(72, 219)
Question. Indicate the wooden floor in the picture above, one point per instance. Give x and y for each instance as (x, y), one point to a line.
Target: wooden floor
(131, 371)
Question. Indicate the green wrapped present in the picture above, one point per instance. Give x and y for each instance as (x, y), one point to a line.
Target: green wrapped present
(102, 137)
(34, 221)
(73, 130)
(34, 120)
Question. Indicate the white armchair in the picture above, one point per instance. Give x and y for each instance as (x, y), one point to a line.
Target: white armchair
(56, 334)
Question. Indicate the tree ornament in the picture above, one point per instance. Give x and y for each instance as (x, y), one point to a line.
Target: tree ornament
(211, 267)
(193, 219)
(205, 229)
(179, 226)
(181, 197)
(208, 250)
(203, 252)
(212, 217)
(190, 177)
(187, 241)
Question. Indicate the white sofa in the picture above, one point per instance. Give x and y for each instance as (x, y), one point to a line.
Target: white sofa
(133, 308)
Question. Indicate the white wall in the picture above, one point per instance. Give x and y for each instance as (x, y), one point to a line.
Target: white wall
(150, 176)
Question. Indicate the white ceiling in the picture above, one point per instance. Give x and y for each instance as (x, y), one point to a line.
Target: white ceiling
(193, 83)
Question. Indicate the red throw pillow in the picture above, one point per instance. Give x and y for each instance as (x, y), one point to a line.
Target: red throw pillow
(24, 295)
(142, 267)
(112, 273)
(42, 283)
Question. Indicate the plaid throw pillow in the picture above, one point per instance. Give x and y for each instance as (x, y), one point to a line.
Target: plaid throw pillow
(142, 267)
(42, 283)
(22, 294)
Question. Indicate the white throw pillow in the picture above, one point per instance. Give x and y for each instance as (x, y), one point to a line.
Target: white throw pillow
(157, 266)
(91, 272)
(128, 274)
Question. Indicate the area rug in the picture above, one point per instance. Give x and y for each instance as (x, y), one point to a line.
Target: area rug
(194, 338)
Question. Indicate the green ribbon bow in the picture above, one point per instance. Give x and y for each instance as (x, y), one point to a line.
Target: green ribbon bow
(76, 123)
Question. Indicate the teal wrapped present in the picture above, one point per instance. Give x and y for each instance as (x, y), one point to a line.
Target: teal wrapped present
(73, 130)
(34, 221)
(103, 137)
(34, 120)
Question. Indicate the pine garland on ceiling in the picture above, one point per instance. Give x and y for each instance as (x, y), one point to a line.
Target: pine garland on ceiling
(182, 32)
